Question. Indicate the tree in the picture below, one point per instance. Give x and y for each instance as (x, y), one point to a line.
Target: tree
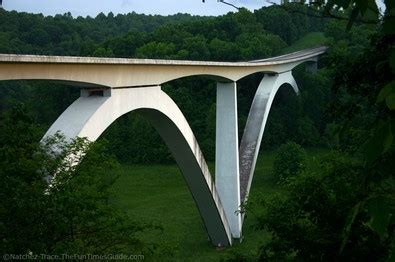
(74, 215)
(363, 204)
(289, 161)
(374, 135)
(156, 50)
(306, 222)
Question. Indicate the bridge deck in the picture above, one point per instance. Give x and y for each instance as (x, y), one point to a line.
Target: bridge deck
(124, 72)
(288, 58)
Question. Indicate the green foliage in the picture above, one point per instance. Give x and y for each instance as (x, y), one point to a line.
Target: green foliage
(103, 52)
(65, 35)
(71, 216)
(57, 99)
(307, 222)
(309, 40)
(290, 26)
(380, 210)
(289, 162)
(156, 50)
(344, 210)
(134, 140)
(363, 108)
(300, 118)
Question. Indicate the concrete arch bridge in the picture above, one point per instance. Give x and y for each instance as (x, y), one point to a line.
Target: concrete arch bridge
(112, 87)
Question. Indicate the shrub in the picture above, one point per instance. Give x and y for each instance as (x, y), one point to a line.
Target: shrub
(308, 221)
(289, 161)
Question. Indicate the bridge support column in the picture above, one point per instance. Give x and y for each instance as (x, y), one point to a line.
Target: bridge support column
(312, 66)
(227, 179)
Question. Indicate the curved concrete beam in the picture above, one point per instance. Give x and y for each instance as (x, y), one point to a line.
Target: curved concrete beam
(119, 72)
(255, 126)
(89, 116)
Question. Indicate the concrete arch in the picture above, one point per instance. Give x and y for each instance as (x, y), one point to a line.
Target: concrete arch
(91, 114)
(255, 126)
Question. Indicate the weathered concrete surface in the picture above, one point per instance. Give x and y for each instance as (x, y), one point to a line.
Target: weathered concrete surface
(255, 126)
(89, 116)
(119, 72)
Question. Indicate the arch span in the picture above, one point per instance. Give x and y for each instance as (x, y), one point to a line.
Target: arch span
(255, 126)
(89, 116)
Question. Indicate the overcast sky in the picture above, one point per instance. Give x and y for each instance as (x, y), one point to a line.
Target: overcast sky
(93, 7)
